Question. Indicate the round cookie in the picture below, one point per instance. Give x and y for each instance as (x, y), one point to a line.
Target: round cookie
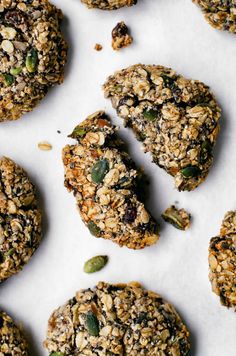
(108, 4)
(20, 219)
(120, 319)
(222, 261)
(176, 119)
(220, 14)
(12, 340)
(32, 54)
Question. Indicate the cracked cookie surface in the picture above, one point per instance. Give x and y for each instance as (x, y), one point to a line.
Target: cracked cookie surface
(32, 54)
(12, 340)
(122, 319)
(220, 14)
(108, 4)
(222, 261)
(176, 119)
(20, 219)
(104, 181)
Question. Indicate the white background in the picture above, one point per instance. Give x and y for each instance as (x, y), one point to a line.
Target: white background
(168, 32)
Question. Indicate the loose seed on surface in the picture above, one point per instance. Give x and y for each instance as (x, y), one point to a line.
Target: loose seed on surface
(44, 146)
(95, 264)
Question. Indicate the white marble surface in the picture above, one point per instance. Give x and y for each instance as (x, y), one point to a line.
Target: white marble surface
(167, 32)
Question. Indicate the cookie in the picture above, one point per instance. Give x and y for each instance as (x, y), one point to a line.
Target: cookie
(108, 4)
(105, 182)
(32, 54)
(119, 319)
(176, 119)
(20, 219)
(220, 14)
(222, 261)
(12, 340)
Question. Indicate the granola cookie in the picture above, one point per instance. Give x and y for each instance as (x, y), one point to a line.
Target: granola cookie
(220, 14)
(12, 340)
(20, 219)
(104, 181)
(176, 119)
(108, 4)
(32, 54)
(222, 261)
(119, 319)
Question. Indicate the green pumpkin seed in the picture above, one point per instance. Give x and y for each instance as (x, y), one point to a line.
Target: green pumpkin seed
(15, 70)
(92, 324)
(150, 114)
(206, 151)
(10, 252)
(95, 264)
(168, 81)
(57, 354)
(93, 228)
(8, 79)
(32, 60)
(99, 170)
(78, 132)
(190, 172)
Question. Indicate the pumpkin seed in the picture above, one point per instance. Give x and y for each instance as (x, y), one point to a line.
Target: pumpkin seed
(206, 151)
(168, 81)
(57, 354)
(32, 60)
(99, 170)
(95, 264)
(15, 70)
(8, 79)
(190, 172)
(93, 228)
(78, 132)
(150, 114)
(10, 252)
(92, 324)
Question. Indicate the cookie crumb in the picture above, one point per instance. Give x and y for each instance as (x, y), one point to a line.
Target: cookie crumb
(179, 218)
(44, 146)
(98, 47)
(120, 36)
(59, 131)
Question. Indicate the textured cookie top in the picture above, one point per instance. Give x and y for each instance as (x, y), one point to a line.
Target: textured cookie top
(221, 14)
(122, 319)
(32, 54)
(104, 180)
(176, 119)
(108, 4)
(222, 261)
(12, 341)
(20, 219)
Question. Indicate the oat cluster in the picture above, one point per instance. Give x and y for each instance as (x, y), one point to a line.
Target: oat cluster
(32, 54)
(220, 14)
(108, 4)
(104, 181)
(179, 218)
(176, 119)
(20, 219)
(222, 261)
(122, 319)
(120, 36)
(12, 341)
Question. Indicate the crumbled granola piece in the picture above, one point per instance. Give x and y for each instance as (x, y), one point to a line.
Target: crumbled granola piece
(108, 4)
(179, 218)
(98, 47)
(120, 36)
(176, 119)
(118, 319)
(104, 181)
(220, 14)
(32, 54)
(222, 261)
(20, 219)
(12, 340)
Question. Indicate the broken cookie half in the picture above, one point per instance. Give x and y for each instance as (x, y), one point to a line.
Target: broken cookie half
(105, 182)
(177, 119)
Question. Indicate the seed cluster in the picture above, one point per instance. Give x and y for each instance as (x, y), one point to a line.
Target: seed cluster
(108, 4)
(122, 319)
(176, 119)
(20, 219)
(179, 218)
(12, 341)
(222, 261)
(32, 54)
(104, 181)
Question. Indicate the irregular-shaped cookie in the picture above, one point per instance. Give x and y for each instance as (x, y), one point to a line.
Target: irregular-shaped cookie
(104, 181)
(220, 14)
(108, 4)
(176, 119)
(12, 340)
(119, 319)
(32, 54)
(20, 219)
(222, 261)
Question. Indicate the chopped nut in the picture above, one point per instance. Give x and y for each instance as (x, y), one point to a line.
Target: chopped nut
(98, 47)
